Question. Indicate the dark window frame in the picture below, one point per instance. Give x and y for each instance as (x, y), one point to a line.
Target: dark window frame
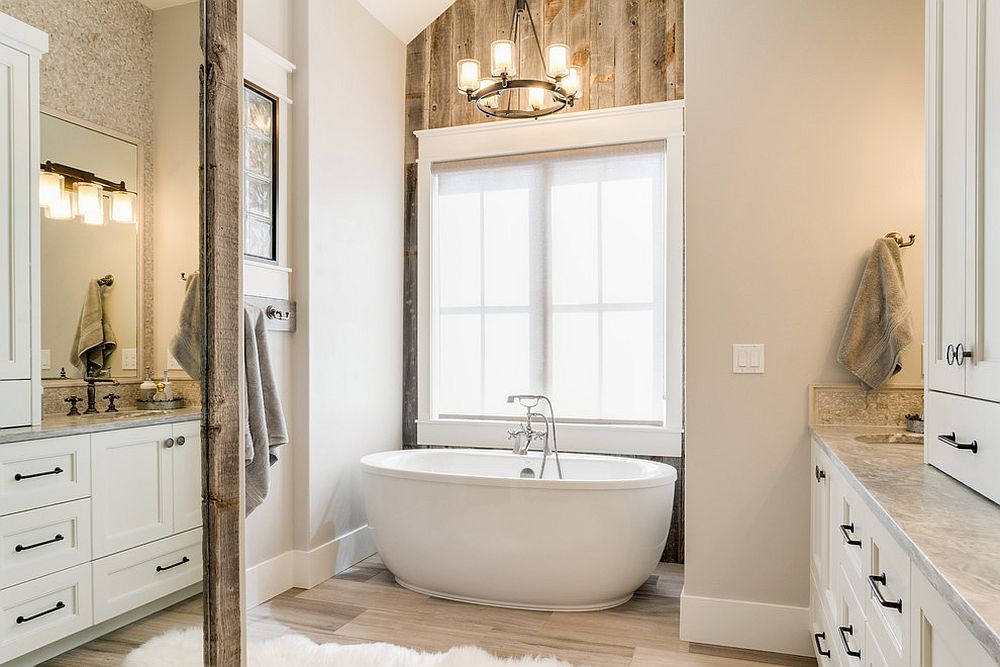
(275, 153)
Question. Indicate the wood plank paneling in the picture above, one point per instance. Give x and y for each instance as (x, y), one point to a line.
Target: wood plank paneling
(222, 282)
(442, 73)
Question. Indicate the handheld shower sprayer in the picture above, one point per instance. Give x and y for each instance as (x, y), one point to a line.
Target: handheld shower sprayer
(529, 402)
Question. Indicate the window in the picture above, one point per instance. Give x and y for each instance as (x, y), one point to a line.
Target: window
(550, 260)
(549, 278)
(260, 169)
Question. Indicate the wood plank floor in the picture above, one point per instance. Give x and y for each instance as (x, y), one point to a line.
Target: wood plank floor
(364, 604)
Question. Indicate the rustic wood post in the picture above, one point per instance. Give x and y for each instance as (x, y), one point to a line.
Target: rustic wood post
(222, 281)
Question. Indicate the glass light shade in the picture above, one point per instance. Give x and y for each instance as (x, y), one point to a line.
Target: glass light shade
(536, 98)
(503, 58)
(123, 207)
(558, 64)
(468, 75)
(493, 101)
(89, 202)
(62, 209)
(570, 83)
(50, 189)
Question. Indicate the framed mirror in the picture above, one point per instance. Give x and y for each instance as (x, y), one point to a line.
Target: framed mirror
(90, 256)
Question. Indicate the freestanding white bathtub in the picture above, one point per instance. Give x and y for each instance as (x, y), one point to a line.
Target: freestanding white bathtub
(463, 524)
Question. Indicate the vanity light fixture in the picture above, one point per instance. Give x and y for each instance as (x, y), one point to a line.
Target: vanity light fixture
(50, 189)
(68, 192)
(499, 96)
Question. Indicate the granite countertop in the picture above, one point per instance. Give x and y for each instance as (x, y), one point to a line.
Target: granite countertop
(57, 426)
(949, 531)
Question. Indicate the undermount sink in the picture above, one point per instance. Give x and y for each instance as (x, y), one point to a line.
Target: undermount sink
(891, 438)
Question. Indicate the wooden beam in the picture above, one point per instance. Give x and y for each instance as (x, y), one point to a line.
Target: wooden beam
(222, 282)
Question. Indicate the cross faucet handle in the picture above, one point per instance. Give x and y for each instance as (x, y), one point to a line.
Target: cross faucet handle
(111, 398)
(73, 400)
(512, 433)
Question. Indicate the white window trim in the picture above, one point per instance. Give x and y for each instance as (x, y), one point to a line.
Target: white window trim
(662, 121)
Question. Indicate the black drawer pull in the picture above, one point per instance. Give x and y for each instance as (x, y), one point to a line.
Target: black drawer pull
(161, 568)
(820, 474)
(20, 547)
(949, 355)
(874, 580)
(961, 354)
(819, 647)
(181, 440)
(846, 529)
(24, 619)
(55, 471)
(951, 440)
(844, 631)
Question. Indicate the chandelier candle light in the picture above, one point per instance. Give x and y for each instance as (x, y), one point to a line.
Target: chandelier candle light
(494, 96)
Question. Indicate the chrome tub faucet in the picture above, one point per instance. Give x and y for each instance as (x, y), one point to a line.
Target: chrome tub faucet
(527, 433)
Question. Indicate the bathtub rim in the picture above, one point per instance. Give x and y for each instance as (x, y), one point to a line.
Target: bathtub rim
(665, 474)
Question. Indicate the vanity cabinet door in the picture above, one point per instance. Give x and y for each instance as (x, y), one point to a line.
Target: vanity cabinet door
(820, 523)
(133, 488)
(983, 373)
(16, 171)
(937, 637)
(949, 204)
(187, 476)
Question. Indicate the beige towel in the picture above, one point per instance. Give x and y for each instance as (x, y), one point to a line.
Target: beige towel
(94, 341)
(186, 345)
(265, 427)
(881, 325)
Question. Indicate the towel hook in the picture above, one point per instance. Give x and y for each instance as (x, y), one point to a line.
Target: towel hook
(106, 281)
(898, 238)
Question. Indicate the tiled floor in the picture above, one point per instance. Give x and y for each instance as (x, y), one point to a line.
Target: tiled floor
(364, 604)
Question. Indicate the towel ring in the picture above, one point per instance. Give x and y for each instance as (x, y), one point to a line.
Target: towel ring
(898, 238)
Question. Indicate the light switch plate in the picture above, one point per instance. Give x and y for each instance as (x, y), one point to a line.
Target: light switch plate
(46, 360)
(748, 358)
(173, 364)
(128, 359)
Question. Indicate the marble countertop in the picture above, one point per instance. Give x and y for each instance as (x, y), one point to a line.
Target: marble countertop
(951, 533)
(57, 426)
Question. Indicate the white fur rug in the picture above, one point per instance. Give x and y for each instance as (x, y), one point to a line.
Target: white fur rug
(183, 648)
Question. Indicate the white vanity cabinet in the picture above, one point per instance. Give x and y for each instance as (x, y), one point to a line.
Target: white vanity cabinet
(93, 526)
(963, 240)
(876, 608)
(21, 47)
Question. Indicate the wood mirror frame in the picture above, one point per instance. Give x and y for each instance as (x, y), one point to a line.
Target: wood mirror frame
(222, 285)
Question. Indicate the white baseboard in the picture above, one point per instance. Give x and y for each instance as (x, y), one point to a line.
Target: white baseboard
(270, 578)
(315, 566)
(751, 625)
(305, 569)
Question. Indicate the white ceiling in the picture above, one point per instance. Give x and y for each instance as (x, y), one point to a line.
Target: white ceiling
(405, 18)
(164, 4)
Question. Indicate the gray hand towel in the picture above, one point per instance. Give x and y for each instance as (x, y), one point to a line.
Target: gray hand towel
(186, 345)
(881, 325)
(94, 341)
(265, 427)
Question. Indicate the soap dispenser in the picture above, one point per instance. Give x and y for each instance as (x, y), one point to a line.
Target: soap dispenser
(168, 387)
(148, 388)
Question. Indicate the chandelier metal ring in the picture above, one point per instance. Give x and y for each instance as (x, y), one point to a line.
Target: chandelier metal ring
(483, 95)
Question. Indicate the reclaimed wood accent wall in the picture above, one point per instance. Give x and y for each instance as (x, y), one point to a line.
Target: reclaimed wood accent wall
(631, 52)
(222, 282)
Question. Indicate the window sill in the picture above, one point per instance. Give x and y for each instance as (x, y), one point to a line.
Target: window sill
(583, 438)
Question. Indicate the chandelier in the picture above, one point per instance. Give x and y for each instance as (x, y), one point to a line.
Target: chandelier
(499, 96)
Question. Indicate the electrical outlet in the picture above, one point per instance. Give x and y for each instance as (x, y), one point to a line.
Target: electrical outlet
(128, 359)
(748, 358)
(173, 364)
(46, 360)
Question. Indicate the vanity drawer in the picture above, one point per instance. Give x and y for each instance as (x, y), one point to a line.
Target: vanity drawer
(38, 542)
(44, 472)
(132, 578)
(889, 617)
(45, 610)
(968, 420)
(849, 627)
(849, 530)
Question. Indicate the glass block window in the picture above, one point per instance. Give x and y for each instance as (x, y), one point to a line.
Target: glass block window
(260, 156)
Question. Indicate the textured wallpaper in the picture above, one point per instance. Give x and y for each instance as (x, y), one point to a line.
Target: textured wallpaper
(100, 69)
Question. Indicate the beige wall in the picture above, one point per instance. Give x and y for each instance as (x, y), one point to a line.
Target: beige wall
(804, 143)
(176, 63)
